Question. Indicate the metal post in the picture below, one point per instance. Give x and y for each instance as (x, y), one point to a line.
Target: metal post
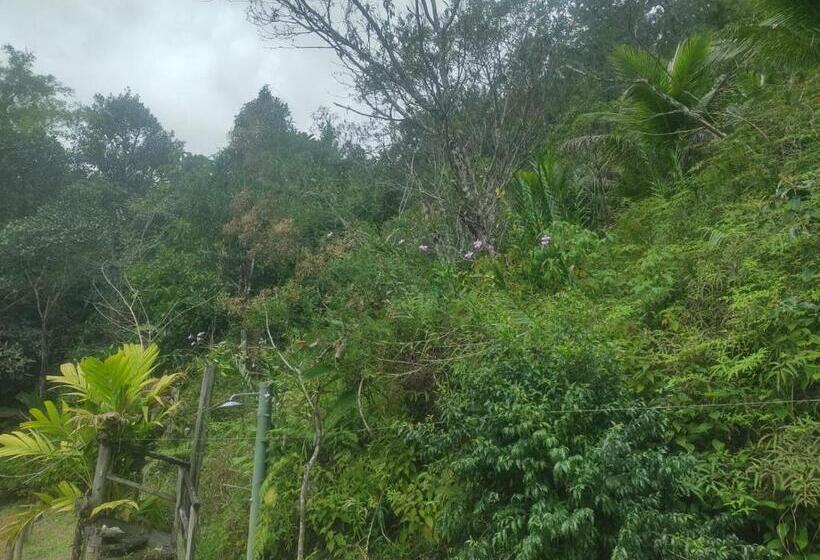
(259, 456)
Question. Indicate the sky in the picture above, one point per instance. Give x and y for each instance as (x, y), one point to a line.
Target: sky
(192, 62)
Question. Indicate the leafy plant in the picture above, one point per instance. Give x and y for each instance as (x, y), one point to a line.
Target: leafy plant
(111, 400)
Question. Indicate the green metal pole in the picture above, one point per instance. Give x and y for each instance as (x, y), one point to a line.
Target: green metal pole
(259, 456)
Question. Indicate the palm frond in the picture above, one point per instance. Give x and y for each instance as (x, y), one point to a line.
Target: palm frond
(114, 505)
(73, 378)
(118, 383)
(791, 14)
(31, 444)
(61, 499)
(51, 420)
(158, 386)
(633, 63)
(786, 34)
(689, 68)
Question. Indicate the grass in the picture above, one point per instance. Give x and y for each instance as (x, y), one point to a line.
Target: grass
(50, 539)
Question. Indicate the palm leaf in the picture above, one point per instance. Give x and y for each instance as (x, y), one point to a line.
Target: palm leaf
(72, 377)
(633, 63)
(62, 499)
(50, 420)
(119, 383)
(114, 505)
(688, 69)
(19, 444)
(791, 14)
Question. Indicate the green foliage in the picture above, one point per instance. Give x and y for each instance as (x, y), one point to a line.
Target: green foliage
(782, 33)
(545, 194)
(630, 371)
(109, 401)
(512, 393)
(119, 139)
(554, 459)
(33, 163)
(180, 291)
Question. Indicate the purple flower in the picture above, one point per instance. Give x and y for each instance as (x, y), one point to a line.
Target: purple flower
(468, 256)
(424, 248)
(545, 240)
(477, 245)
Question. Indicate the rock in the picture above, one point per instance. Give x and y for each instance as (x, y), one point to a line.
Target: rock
(111, 533)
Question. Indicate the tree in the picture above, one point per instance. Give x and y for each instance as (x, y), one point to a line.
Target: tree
(48, 260)
(256, 242)
(265, 151)
(781, 33)
(119, 138)
(33, 162)
(551, 458)
(462, 81)
(655, 25)
(667, 110)
(670, 99)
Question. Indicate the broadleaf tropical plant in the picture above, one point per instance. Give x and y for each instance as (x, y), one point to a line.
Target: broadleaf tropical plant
(122, 385)
(120, 391)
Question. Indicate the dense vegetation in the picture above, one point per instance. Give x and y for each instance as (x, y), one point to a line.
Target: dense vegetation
(594, 339)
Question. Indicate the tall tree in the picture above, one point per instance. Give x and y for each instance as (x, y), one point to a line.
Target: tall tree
(263, 131)
(465, 78)
(48, 260)
(119, 138)
(33, 163)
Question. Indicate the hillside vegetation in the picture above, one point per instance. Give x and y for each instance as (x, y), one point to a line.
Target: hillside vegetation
(607, 351)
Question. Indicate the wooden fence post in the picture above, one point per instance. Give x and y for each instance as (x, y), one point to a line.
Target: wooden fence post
(201, 426)
(197, 451)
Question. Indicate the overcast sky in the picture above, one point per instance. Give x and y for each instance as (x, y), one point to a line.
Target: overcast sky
(193, 62)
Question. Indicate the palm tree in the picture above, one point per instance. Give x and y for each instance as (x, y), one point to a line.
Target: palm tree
(107, 402)
(664, 112)
(783, 33)
(671, 99)
(545, 193)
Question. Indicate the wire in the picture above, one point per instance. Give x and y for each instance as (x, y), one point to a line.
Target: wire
(689, 406)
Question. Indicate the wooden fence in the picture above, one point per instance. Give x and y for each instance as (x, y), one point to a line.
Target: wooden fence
(185, 500)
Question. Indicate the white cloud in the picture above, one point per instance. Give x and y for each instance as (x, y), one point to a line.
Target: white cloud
(193, 62)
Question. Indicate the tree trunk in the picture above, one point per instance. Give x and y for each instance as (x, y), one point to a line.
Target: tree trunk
(93, 542)
(87, 538)
(16, 552)
(41, 382)
(303, 493)
(79, 530)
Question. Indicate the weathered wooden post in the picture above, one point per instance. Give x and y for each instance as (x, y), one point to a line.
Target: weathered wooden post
(189, 481)
(93, 535)
(201, 425)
